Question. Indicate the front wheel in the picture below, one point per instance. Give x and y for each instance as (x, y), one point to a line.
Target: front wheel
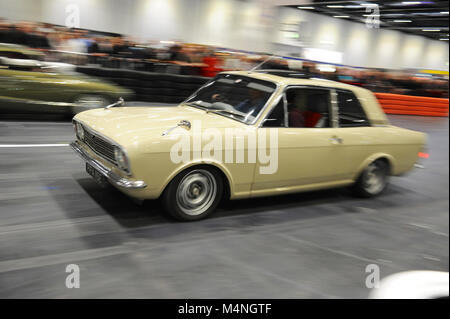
(193, 194)
(373, 180)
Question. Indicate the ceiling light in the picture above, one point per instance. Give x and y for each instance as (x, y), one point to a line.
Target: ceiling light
(431, 30)
(411, 2)
(443, 12)
(402, 21)
(341, 16)
(306, 8)
(443, 39)
(335, 6)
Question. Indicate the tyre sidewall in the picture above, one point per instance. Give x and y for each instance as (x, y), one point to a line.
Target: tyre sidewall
(169, 196)
(359, 186)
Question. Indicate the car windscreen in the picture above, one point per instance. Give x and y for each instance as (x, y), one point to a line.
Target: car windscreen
(239, 97)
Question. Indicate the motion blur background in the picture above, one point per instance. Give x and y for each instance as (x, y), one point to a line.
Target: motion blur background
(406, 53)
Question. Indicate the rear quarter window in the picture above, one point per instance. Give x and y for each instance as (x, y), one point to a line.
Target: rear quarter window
(351, 112)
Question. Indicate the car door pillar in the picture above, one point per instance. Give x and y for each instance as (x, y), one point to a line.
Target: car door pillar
(334, 112)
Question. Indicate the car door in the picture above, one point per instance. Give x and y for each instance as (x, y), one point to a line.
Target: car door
(308, 154)
(358, 137)
(8, 84)
(10, 89)
(26, 89)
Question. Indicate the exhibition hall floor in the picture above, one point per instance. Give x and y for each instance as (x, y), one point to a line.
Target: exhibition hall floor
(308, 245)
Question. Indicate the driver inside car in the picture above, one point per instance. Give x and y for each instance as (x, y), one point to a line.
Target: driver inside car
(299, 110)
(255, 101)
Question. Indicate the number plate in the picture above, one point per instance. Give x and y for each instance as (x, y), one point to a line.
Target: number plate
(99, 178)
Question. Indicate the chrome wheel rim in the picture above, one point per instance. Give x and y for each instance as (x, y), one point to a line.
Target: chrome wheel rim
(196, 192)
(375, 178)
(91, 101)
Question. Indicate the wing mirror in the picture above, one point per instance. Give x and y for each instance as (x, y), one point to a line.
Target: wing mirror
(183, 123)
(120, 102)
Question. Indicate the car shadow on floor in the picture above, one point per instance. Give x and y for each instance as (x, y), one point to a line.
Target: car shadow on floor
(315, 204)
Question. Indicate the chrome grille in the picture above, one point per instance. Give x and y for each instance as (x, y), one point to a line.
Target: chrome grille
(99, 145)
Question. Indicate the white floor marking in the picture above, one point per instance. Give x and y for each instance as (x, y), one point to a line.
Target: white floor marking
(31, 145)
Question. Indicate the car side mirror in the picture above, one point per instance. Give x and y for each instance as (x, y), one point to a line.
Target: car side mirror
(120, 102)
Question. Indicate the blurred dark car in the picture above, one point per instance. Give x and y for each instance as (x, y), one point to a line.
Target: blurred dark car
(29, 85)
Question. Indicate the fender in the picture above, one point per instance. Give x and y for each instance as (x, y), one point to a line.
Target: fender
(374, 157)
(197, 162)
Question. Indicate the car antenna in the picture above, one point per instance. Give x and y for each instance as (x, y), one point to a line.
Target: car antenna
(266, 60)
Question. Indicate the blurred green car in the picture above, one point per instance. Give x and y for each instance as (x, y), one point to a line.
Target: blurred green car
(30, 85)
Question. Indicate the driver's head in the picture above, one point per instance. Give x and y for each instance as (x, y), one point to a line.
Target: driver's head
(256, 94)
(295, 101)
(216, 97)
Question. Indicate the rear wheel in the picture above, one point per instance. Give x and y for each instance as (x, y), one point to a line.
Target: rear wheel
(373, 180)
(193, 194)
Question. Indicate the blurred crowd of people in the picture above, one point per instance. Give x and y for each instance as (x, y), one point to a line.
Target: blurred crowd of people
(386, 81)
(77, 46)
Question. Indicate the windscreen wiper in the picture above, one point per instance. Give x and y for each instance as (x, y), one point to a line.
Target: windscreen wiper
(198, 106)
(225, 111)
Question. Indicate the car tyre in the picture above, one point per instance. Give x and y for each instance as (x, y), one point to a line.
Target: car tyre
(373, 180)
(193, 194)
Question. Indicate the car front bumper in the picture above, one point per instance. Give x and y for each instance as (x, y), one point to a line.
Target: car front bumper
(112, 177)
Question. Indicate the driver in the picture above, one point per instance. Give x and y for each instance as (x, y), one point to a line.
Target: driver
(255, 101)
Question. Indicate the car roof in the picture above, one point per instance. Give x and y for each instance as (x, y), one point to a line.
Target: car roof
(293, 78)
(368, 100)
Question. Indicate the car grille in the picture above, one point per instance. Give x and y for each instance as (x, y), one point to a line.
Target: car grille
(99, 145)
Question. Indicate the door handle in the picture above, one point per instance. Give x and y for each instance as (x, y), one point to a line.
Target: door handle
(336, 140)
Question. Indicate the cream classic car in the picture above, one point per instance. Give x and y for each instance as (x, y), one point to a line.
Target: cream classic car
(246, 134)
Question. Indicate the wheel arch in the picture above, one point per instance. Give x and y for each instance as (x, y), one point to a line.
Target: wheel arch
(389, 159)
(221, 169)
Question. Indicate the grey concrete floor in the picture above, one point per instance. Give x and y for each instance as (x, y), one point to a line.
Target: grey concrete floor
(309, 245)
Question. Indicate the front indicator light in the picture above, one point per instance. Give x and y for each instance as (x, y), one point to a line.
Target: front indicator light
(121, 159)
(423, 155)
(79, 131)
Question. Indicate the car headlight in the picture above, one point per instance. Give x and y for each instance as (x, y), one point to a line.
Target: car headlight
(121, 159)
(79, 130)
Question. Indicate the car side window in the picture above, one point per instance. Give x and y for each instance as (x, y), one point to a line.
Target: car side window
(351, 113)
(308, 107)
(276, 117)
